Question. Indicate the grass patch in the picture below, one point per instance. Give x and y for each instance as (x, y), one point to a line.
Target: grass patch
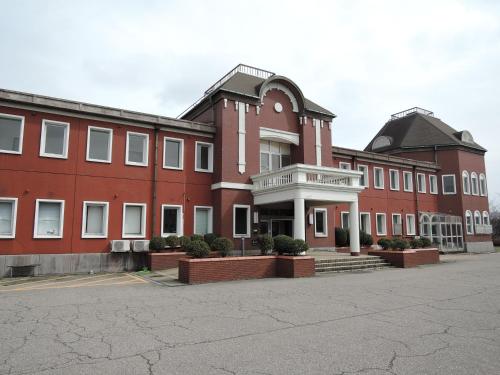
(144, 271)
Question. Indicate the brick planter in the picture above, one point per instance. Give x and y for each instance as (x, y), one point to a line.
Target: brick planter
(408, 258)
(197, 271)
(164, 261)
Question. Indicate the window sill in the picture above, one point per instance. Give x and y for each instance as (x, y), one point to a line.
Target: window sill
(11, 152)
(135, 164)
(98, 161)
(173, 168)
(203, 170)
(54, 156)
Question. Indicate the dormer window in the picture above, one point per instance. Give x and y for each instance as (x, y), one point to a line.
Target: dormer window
(274, 155)
(382, 141)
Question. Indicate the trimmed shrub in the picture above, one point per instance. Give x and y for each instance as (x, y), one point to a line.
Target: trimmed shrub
(385, 243)
(198, 249)
(266, 244)
(415, 243)
(365, 239)
(399, 244)
(157, 243)
(197, 237)
(172, 241)
(341, 237)
(223, 245)
(299, 246)
(184, 240)
(425, 242)
(283, 244)
(210, 238)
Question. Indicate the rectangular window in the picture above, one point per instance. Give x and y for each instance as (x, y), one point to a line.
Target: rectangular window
(8, 214)
(320, 222)
(397, 225)
(408, 181)
(365, 222)
(171, 220)
(410, 224)
(421, 186)
(137, 149)
(54, 139)
(344, 165)
(394, 179)
(364, 179)
(378, 178)
(381, 225)
(204, 157)
(274, 155)
(344, 220)
(95, 219)
(99, 144)
(241, 221)
(173, 153)
(433, 184)
(11, 134)
(134, 220)
(449, 186)
(202, 219)
(49, 218)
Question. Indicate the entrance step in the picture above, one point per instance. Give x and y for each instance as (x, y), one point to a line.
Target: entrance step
(345, 264)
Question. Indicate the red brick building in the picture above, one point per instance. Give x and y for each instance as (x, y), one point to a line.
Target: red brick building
(252, 156)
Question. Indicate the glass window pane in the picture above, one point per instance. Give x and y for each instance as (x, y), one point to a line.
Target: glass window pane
(320, 222)
(202, 220)
(55, 138)
(241, 222)
(99, 144)
(285, 160)
(6, 218)
(95, 219)
(202, 157)
(285, 149)
(264, 146)
(136, 148)
(172, 153)
(49, 219)
(275, 147)
(275, 162)
(170, 220)
(345, 220)
(133, 220)
(10, 133)
(264, 162)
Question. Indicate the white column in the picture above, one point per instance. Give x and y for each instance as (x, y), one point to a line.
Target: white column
(354, 227)
(299, 225)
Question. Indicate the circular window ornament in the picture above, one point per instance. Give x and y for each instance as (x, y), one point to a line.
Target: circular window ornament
(278, 107)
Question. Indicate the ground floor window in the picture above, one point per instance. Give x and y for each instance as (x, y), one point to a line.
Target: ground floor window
(468, 222)
(320, 222)
(486, 218)
(171, 220)
(477, 218)
(49, 218)
(381, 225)
(365, 222)
(202, 220)
(241, 221)
(8, 210)
(344, 220)
(134, 220)
(410, 224)
(95, 219)
(397, 225)
(425, 226)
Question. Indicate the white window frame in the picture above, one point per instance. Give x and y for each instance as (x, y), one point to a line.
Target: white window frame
(325, 224)
(466, 185)
(454, 184)
(411, 230)
(43, 139)
(143, 219)
(61, 216)
(364, 168)
(181, 153)
(380, 233)
(13, 217)
(392, 224)
(406, 188)
(270, 154)
(343, 164)
(210, 218)
(380, 187)
(396, 188)
(145, 150)
(477, 214)
(110, 143)
(468, 213)
(433, 188)
(483, 192)
(210, 157)
(21, 135)
(424, 185)
(474, 186)
(369, 229)
(486, 216)
(248, 233)
(104, 222)
(342, 213)
(180, 219)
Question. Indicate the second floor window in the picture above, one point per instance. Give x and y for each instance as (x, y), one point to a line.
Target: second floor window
(11, 133)
(204, 157)
(54, 139)
(274, 155)
(99, 143)
(137, 149)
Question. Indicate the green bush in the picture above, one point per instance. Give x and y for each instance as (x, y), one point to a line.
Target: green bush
(385, 243)
(283, 244)
(157, 243)
(266, 244)
(198, 249)
(209, 238)
(415, 243)
(341, 237)
(365, 239)
(299, 246)
(172, 241)
(197, 237)
(399, 244)
(223, 245)
(184, 240)
(425, 242)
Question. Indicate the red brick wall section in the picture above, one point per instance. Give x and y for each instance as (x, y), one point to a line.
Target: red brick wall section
(408, 258)
(295, 266)
(164, 261)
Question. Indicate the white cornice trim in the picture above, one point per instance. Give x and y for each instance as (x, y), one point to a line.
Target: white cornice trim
(231, 185)
(279, 135)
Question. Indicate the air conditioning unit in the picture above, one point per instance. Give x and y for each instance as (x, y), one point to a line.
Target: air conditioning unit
(120, 246)
(140, 246)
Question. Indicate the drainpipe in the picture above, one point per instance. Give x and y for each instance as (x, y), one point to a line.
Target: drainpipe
(154, 187)
(415, 189)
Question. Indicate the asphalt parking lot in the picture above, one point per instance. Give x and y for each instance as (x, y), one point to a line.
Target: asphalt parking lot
(440, 319)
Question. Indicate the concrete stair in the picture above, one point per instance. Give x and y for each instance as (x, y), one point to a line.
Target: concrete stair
(347, 264)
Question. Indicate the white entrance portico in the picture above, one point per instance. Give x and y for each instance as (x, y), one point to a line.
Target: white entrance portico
(299, 183)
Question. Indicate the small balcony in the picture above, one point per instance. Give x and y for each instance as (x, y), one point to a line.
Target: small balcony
(484, 229)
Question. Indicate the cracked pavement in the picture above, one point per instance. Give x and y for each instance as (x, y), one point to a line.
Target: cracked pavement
(441, 319)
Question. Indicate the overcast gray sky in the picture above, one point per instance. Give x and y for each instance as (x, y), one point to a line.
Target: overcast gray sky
(363, 60)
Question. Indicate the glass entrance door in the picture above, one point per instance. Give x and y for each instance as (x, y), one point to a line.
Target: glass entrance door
(282, 226)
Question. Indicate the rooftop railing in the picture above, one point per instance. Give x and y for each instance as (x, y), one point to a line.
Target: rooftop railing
(411, 111)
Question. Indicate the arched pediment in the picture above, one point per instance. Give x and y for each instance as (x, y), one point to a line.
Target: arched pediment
(286, 86)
